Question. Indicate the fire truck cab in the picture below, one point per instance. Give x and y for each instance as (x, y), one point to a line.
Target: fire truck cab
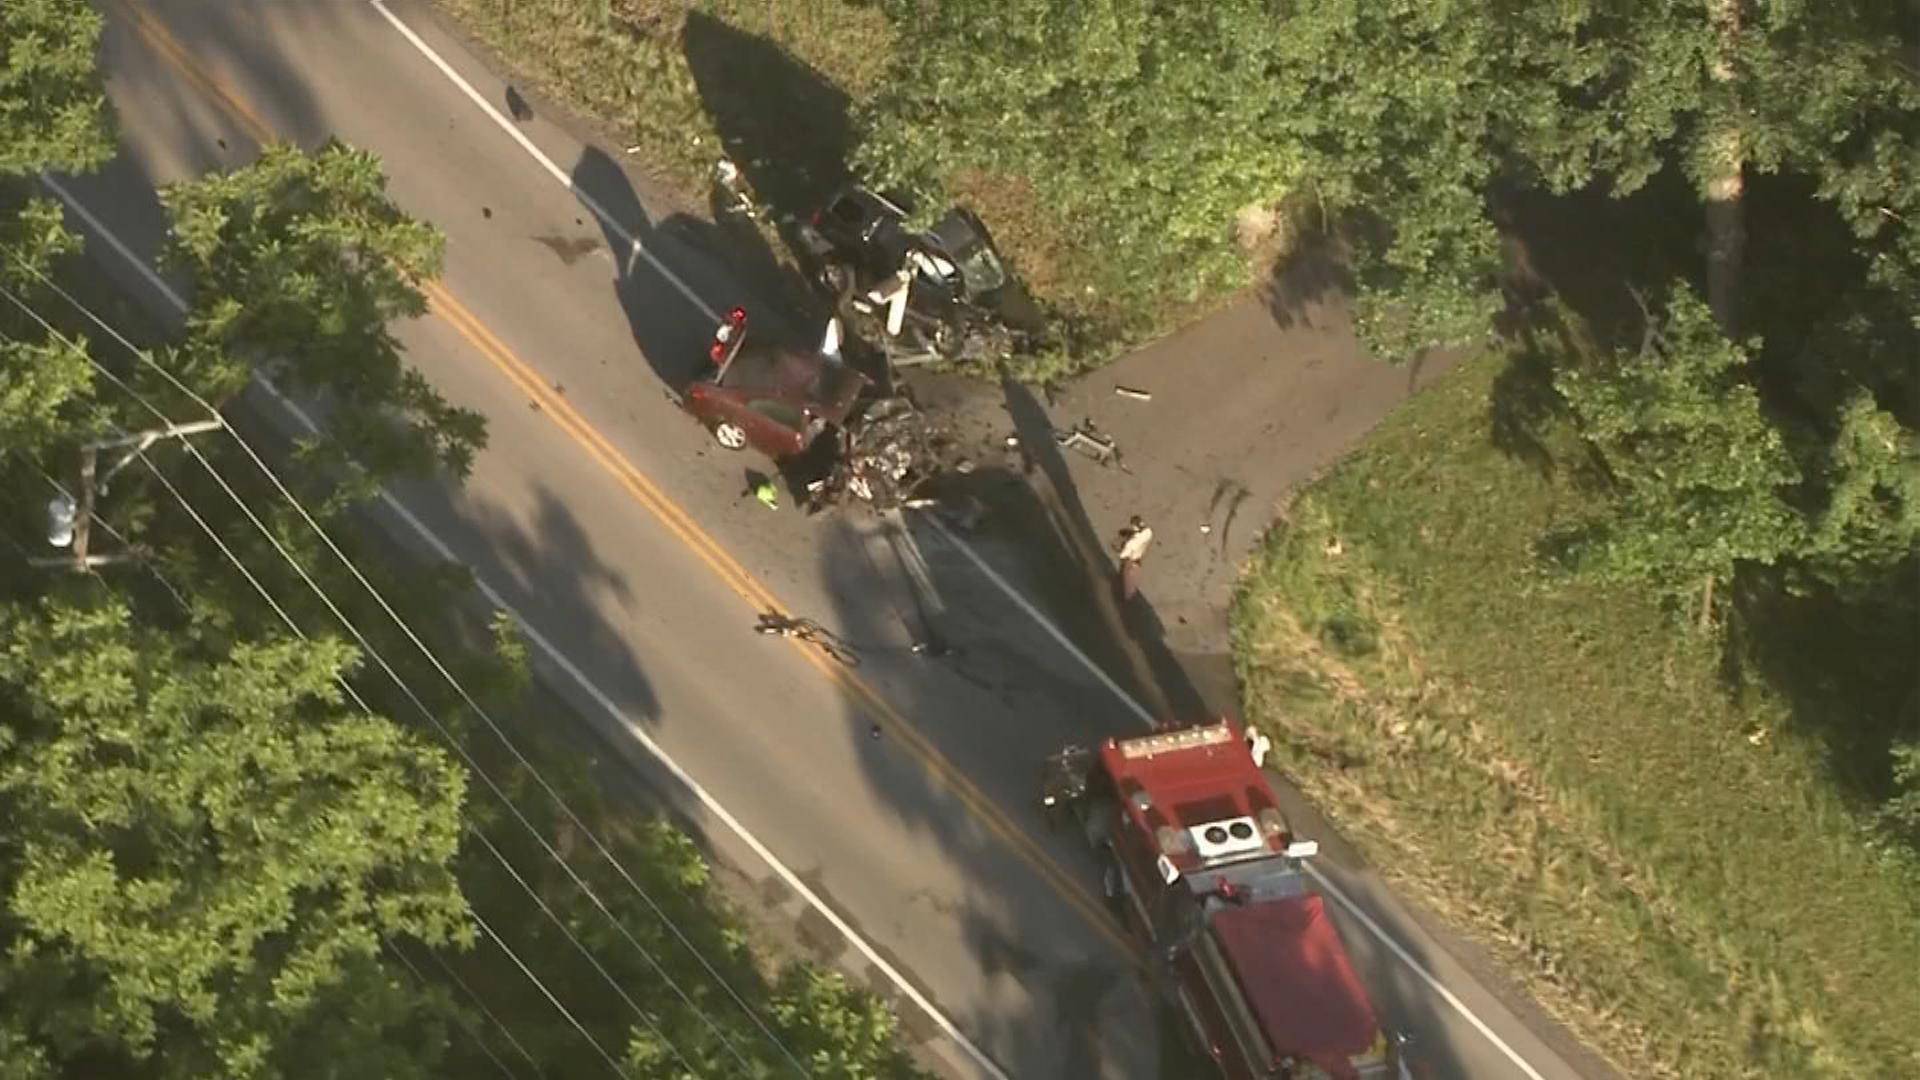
(1196, 852)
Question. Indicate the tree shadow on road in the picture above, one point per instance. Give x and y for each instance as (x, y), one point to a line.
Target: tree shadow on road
(1311, 284)
(650, 268)
(1126, 637)
(993, 708)
(785, 124)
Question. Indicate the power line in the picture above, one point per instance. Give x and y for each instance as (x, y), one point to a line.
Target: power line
(187, 505)
(353, 695)
(458, 1019)
(584, 1033)
(461, 690)
(481, 1004)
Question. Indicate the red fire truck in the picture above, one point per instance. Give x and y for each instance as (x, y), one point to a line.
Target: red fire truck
(1195, 849)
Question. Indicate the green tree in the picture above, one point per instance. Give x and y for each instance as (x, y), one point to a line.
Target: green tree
(53, 107)
(207, 847)
(43, 378)
(1155, 124)
(1149, 126)
(1701, 475)
(1867, 517)
(300, 264)
(695, 1027)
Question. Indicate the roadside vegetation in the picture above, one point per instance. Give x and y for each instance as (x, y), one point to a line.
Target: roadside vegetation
(1140, 161)
(1643, 819)
(248, 834)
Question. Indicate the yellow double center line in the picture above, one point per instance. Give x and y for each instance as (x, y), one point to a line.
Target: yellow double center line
(676, 520)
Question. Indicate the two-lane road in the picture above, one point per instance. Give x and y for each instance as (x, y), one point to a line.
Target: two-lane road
(888, 813)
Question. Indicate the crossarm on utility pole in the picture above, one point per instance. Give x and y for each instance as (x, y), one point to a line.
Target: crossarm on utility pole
(92, 484)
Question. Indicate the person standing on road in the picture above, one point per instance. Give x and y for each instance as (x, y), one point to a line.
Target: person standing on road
(1134, 541)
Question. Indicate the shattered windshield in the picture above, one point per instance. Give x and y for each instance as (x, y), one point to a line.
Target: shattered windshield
(981, 270)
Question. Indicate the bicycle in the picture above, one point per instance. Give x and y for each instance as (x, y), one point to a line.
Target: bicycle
(773, 623)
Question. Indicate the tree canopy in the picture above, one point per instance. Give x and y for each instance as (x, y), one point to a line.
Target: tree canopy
(53, 105)
(1153, 124)
(1702, 476)
(235, 847)
(209, 845)
(301, 262)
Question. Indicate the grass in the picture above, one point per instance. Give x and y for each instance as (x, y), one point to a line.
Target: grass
(1559, 768)
(775, 82)
(627, 64)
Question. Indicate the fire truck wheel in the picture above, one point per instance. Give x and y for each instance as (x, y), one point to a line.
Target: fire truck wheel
(731, 436)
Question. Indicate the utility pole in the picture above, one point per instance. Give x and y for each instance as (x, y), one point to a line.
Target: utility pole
(72, 525)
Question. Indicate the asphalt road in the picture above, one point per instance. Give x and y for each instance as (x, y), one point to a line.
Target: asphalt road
(900, 799)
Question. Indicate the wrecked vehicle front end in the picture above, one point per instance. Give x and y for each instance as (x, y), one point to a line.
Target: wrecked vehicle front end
(885, 456)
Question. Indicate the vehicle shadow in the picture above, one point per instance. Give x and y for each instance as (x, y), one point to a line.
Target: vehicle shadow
(653, 272)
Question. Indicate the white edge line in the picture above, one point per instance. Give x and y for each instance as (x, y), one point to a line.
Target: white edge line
(1060, 638)
(513, 132)
(152, 278)
(1414, 965)
(600, 697)
(1140, 711)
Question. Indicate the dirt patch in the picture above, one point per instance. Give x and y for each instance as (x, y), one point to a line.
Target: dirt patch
(1033, 241)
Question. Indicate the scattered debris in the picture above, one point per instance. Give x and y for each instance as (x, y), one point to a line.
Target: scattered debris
(1130, 392)
(1088, 440)
(933, 645)
(1205, 528)
(888, 456)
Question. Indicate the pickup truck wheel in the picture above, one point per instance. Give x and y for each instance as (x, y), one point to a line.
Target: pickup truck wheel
(731, 436)
(837, 279)
(948, 340)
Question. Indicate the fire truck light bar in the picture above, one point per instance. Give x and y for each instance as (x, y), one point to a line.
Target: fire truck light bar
(1149, 745)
